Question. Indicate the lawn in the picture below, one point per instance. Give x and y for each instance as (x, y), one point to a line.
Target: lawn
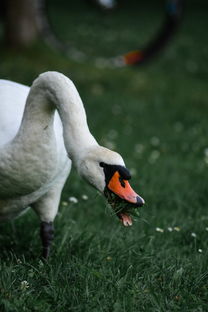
(155, 116)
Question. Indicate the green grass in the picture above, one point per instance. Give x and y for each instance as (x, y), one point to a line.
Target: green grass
(96, 264)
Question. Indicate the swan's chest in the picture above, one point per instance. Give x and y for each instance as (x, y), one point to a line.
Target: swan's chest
(25, 176)
(31, 161)
(25, 169)
(11, 207)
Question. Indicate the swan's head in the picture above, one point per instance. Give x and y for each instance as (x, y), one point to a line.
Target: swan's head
(106, 171)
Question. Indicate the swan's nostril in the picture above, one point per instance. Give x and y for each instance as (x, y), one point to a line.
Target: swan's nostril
(140, 201)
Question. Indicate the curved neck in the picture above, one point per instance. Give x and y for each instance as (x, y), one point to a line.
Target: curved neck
(52, 91)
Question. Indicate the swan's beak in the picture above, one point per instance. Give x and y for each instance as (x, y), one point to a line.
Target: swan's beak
(122, 188)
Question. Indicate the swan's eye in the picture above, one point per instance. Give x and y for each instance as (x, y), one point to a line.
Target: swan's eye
(109, 171)
(122, 182)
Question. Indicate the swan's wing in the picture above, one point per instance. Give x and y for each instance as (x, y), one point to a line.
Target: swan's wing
(12, 102)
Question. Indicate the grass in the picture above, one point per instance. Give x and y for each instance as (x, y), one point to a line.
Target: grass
(158, 122)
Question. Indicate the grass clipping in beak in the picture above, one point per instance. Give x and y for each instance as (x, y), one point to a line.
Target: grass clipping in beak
(123, 209)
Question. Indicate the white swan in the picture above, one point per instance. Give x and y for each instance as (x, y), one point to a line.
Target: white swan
(43, 129)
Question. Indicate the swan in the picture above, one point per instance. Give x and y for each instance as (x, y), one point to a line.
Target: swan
(43, 131)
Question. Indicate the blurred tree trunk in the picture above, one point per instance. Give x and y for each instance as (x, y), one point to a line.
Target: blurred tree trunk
(20, 22)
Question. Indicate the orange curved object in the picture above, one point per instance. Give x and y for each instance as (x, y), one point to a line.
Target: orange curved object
(133, 57)
(122, 188)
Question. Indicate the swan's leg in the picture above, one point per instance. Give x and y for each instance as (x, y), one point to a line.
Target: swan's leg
(46, 234)
(47, 206)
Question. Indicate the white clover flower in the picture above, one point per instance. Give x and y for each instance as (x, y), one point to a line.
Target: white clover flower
(170, 229)
(154, 156)
(176, 228)
(206, 152)
(112, 134)
(155, 141)
(73, 200)
(139, 148)
(200, 250)
(84, 197)
(158, 229)
(64, 203)
(24, 285)
(193, 234)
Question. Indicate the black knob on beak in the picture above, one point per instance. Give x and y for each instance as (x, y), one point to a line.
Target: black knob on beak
(140, 201)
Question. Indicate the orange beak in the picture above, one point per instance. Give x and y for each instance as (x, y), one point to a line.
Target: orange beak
(123, 189)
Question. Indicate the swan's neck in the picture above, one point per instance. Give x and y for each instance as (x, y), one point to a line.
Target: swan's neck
(52, 91)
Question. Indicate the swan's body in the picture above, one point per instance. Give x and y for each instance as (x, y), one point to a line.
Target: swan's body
(43, 129)
(30, 166)
(33, 157)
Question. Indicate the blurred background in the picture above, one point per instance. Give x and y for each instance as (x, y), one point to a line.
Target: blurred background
(152, 100)
(155, 115)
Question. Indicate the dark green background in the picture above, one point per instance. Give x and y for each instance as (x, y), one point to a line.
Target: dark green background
(96, 265)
